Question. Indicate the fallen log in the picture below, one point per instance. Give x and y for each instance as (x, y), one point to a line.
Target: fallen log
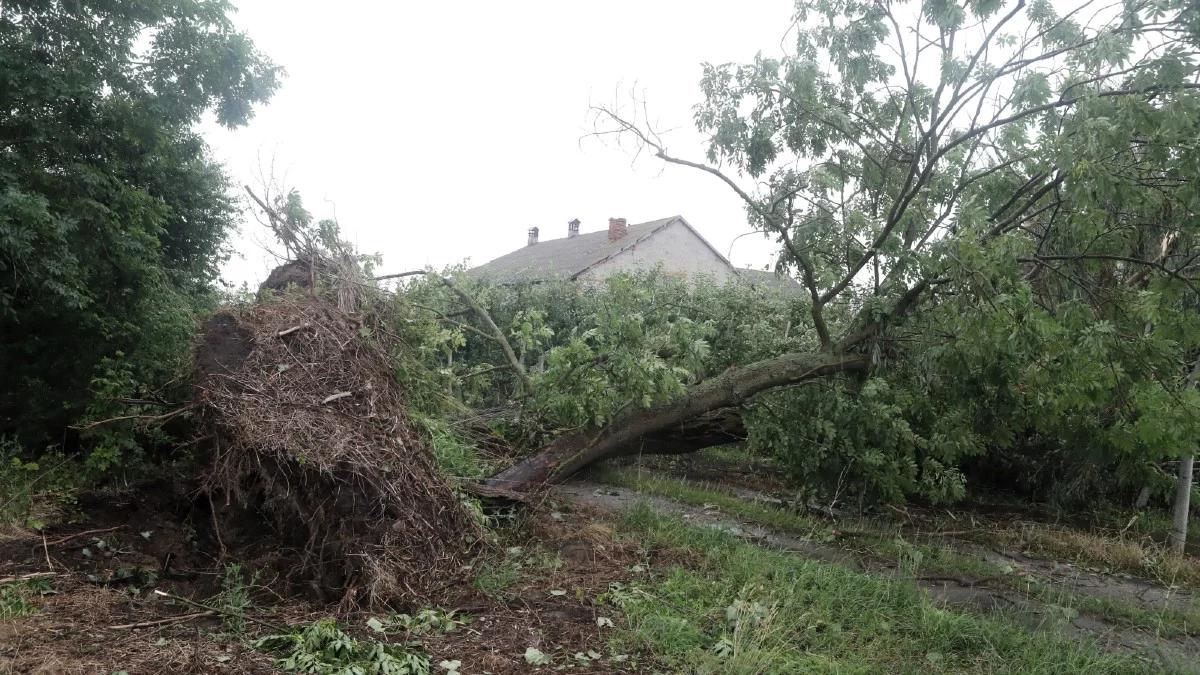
(707, 415)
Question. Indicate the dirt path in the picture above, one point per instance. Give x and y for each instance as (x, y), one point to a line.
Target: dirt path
(1177, 653)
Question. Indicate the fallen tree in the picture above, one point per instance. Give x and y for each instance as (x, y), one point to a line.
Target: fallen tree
(684, 425)
(1042, 161)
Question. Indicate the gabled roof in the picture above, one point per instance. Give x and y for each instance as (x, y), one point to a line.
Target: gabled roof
(567, 258)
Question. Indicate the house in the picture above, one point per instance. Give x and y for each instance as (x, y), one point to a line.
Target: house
(670, 243)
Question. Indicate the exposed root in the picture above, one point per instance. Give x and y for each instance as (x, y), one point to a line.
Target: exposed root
(312, 437)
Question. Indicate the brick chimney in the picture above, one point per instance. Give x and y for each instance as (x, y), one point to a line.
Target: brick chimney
(533, 232)
(617, 228)
(573, 228)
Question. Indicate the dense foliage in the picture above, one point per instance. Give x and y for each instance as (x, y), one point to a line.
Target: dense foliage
(995, 203)
(1027, 405)
(113, 218)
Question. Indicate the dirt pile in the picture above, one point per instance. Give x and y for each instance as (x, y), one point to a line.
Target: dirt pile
(312, 442)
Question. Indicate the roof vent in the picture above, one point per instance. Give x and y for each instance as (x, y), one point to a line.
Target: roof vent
(573, 228)
(617, 228)
(533, 232)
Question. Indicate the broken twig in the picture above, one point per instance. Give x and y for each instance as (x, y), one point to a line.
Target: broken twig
(69, 537)
(163, 622)
(27, 577)
(201, 605)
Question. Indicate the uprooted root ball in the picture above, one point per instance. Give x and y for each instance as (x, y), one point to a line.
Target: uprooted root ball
(310, 434)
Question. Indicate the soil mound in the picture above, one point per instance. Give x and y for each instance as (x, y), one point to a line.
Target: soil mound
(292, 273)
(312, 439)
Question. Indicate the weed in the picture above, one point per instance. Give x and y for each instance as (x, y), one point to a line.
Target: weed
(325, 649)
(548, 562)
(430, 620)
(32, 491)
(234, 600)
(494, 577)
(16, 598)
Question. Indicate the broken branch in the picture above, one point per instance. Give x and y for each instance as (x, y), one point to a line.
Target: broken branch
(163, 622)
(69, 537)
(482, 314)
(216, 610)
(27, 577)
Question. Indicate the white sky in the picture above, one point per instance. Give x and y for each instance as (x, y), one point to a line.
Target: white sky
(441, 131)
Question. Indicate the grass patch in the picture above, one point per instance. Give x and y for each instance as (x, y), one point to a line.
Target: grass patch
(1166, 621)
(495, 576)
(17, 598)
(456, 455)
(1141, 557)
(735, 454)
(916, 559)
(698, 495)
(743, 609)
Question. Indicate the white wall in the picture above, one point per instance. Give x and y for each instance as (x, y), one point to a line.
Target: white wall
(676, 248)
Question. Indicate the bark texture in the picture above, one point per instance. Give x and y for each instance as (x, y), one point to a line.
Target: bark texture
(707, 415)
(1182, 506)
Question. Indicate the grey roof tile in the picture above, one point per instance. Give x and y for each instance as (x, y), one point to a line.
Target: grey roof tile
(562, 259)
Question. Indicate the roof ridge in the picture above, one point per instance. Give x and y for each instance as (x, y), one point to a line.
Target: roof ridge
(634, 242)
(567, 257)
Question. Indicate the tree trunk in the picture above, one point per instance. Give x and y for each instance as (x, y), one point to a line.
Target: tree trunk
(1183, 488)
(1143, 498)
(1182, 509)
(707, 415)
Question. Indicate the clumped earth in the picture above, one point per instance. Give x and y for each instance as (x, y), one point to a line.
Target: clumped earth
(312, 445)
(89, 584)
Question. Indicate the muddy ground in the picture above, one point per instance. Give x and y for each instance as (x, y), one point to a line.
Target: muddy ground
(92, 579)
(92, 584)
(981, 595)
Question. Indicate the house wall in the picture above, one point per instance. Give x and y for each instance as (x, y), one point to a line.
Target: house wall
(676, 248)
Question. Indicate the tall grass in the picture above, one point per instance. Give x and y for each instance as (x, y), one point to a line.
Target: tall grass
(743, 609)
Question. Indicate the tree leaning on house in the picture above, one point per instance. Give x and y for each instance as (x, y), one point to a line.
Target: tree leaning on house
(113, 218)
(990, 198)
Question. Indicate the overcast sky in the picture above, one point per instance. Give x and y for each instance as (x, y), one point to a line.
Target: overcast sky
(438, 132)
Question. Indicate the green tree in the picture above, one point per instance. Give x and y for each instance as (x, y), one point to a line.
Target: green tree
(993, 208)
(113, 217)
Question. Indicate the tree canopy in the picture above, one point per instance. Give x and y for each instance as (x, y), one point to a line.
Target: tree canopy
(992, 207)
(113, 218)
